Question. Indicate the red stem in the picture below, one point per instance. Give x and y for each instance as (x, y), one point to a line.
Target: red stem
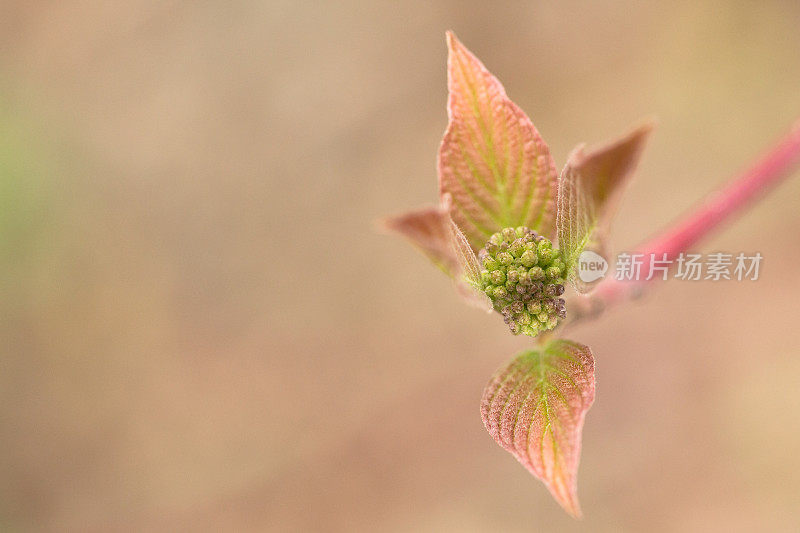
(717, 208)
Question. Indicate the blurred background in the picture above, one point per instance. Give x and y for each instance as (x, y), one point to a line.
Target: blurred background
(200, 328)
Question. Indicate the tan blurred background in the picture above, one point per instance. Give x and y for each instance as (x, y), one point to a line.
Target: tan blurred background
(201, 330)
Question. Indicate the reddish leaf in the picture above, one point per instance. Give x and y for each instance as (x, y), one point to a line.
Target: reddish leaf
(492, 160)
(589, 191)
(434, 233)
(429, 230)
(607, 169)
(577, 220)
(535, 407)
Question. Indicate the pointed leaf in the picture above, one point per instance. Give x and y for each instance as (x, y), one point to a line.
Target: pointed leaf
(428, 229)
(468, 281)
(576, 222)
(535, 407)
(492, 160)
(466, 259)
(433, 232)
(607, 169)
(589, 191)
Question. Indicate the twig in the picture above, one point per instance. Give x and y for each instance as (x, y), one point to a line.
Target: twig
(719, 207)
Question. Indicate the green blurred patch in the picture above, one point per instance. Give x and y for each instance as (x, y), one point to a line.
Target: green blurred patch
(26, 199)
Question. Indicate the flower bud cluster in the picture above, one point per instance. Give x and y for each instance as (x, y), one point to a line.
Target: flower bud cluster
(523, 275)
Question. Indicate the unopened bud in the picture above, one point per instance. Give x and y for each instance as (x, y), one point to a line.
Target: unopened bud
(523, 276)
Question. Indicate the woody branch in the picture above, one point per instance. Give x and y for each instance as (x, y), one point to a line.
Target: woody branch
(773, 167)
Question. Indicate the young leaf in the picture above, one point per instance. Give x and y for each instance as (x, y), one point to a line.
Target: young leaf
(433, 232)
(576, 220)
(589, 191)
(535, 407)
(428, 229)
(468, 278)
(492, 160)
(606, 170)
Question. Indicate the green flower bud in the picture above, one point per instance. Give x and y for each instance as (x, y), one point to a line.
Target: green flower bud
(508, 234)
(528, 258)
(505, 258)
(499, 293)
(517, 247)
(531, 330)
(498, 277)
(536, 273)
(553, 273)
(545, 256)
(523, 276)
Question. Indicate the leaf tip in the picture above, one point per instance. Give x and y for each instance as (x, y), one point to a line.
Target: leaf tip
(642, 132)
(648, 124)
(386, 225)
(577, 155)
(570, 504)
(452, 40)
(534, 407)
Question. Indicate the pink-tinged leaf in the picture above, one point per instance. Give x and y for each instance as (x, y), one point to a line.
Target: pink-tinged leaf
(433, 232)
(535, 407)
(468, 279)
(606, 170)
(589, 190)
(576, 222)
(492, 161)
(428, 229)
